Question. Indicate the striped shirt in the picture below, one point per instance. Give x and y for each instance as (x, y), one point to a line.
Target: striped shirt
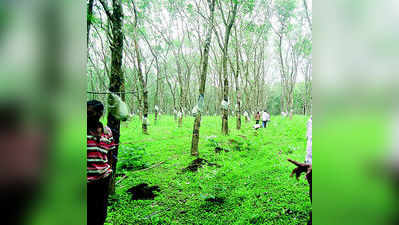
(98, 166)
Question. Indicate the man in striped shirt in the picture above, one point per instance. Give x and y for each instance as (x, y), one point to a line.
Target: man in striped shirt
(99, 144)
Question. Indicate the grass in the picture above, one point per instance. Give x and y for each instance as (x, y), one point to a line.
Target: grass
(253, 178)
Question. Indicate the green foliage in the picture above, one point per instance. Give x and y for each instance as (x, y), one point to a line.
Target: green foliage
(176, 43)
(248, 6)
(250, 26)
(93, 19)
(234, 143)
(254, 182)
(143, 4)
(285, 11)
(190, 9)
(304, 46)
(285, 8)
(131, 158)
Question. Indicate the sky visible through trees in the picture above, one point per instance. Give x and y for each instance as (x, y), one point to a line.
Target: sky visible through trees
(171, 35)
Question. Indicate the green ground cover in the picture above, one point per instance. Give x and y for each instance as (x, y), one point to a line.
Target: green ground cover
(252, 182)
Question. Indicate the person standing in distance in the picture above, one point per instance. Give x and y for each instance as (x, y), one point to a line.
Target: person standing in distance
(265, 118)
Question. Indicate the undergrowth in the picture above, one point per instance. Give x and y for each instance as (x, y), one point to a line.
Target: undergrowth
(251, 185)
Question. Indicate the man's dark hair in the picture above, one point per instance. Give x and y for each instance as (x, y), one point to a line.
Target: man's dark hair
(93, 116)
(97, 105)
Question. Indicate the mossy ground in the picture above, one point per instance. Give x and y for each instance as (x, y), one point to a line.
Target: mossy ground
(253, 179)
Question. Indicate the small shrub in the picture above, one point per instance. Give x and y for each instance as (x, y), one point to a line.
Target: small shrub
(131, 157)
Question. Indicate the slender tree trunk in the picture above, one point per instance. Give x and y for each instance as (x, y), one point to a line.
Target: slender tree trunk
(307, 14)
(197, 122)
(156, 97)
(141, 77)
(237, 74)
(180, 117)
(283, 97)
(238, 112)
(156, 111)
(225, 111)
(247, 106)
(173, 97)
(181, 98)
(89, 19)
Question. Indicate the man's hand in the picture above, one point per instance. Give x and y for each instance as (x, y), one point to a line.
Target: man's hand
(301, 168)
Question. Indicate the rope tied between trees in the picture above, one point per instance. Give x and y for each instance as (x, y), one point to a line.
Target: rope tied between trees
(116, 92)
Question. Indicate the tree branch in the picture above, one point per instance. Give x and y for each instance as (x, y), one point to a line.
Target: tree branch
(106, 9)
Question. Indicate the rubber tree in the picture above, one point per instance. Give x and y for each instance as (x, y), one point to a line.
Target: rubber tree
(157, 66)
(116, 83)
(228, 22)
(197, 121)
(140, 74)
(89, 18)
(287, 52)
(237, 84)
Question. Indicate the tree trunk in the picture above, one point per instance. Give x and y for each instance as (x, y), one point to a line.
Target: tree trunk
(225, 115)
(197, 122)
(89, 20)
(141, 77)
(156, 98)
(181, 99)
(180, 123)
(237, 74)
(283, 101)
(116, 81)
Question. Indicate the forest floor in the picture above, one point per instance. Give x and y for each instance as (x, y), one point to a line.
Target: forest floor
(244, 181)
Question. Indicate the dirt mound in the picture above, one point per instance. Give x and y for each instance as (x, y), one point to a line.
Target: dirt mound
(215, 199)
(198, 163)
(143, 192)
(232, 141)
(219, 149)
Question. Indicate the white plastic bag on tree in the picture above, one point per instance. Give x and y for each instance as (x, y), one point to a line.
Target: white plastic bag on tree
(145, 121)
(199, 107)
(195, 111)
(225, 105)
(200, 104)
(118, 108)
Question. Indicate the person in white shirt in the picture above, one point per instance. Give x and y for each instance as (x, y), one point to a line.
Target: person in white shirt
(265, 118)
(308, 159)
(246, 116)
